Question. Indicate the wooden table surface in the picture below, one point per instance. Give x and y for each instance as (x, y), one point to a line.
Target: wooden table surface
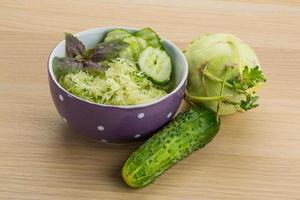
(255, 155)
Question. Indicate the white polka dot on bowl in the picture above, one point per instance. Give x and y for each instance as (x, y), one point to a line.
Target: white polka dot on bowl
(137, 136)
(61, 97)
(169, 115)
(140, 115)
(103, 140)
(100, 128)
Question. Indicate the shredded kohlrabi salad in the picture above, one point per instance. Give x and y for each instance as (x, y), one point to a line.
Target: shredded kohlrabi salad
(121, 84)
(124, 69)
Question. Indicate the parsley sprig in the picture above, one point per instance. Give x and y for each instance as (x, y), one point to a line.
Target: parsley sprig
(245, 84)
(249, 78)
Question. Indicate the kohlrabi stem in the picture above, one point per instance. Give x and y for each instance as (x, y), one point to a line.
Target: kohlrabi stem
(237, 55)
(202, 70)
(203, 99)
(222, 91)
(217, 79)
(254, 88)
(214, 78)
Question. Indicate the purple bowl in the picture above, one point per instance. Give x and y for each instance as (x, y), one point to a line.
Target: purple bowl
(117, 124)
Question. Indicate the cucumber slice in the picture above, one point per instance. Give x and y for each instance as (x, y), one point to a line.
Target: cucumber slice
(136, 46)
(127, 54)
(156, 64)
(142, 43)
(150, 36)
(116, 34)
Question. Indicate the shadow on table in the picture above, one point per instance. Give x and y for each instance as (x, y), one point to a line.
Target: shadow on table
(97, 164)
(92, 160)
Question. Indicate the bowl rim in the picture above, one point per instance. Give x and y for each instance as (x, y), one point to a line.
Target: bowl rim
(96, 29)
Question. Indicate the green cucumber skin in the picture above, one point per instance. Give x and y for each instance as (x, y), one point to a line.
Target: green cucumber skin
(189, 131)
(150, 36)
(114, 34)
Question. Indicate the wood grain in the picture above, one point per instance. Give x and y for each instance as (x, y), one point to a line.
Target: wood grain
(255, 155)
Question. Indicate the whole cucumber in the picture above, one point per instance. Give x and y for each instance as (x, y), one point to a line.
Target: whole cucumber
(189, 131)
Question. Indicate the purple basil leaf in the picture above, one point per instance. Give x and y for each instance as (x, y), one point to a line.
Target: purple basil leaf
(107, 50)
(88, 54)
(74, 47)
(90, 65)
(62, 66)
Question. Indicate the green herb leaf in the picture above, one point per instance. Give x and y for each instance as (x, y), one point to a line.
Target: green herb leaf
(74, 47)
(249, 103)
(250, 77)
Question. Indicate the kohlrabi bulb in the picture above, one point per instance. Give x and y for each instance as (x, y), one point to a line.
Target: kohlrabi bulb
(224, 73)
